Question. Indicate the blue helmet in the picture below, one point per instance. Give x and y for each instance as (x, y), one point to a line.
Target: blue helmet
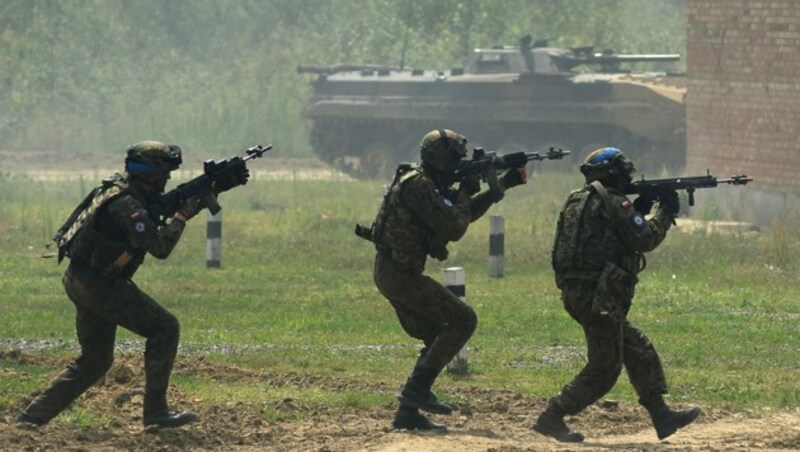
(152, 156)
(607, 162)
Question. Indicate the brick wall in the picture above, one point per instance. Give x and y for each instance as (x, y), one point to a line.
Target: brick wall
(743, 101)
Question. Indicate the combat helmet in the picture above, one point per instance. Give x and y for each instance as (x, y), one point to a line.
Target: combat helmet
(442, 148)
(606, 164)
(147, 157)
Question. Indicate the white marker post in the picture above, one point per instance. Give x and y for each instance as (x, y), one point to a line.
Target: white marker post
(497, 238)
(454, 281)
(214, 240)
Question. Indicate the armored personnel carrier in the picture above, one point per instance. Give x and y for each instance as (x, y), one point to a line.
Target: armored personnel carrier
(366, 119)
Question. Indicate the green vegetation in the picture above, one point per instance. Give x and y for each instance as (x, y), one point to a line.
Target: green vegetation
(82, 418)
(92, 75)
(295, 295)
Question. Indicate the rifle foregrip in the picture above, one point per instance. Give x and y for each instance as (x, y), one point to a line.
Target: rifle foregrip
(210, 201)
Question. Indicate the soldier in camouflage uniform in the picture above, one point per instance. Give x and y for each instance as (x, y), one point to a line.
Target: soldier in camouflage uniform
(106, 239)
(421, 213)
(598, 251)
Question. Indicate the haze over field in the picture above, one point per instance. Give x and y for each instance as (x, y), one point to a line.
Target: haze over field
(97, 75)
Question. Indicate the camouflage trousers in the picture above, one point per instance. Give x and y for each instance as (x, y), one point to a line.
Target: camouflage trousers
(101, 306)
(427, 311)
(611, 345)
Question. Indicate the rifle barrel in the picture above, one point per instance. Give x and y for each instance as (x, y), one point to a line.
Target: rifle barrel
(552, 154)
(737, 180)
(256, 152)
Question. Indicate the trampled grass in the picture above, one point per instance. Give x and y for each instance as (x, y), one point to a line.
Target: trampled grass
(295, 294)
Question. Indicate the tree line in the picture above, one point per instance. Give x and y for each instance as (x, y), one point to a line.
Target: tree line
(221, 74)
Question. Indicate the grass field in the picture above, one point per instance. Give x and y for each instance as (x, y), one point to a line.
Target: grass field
(295, 294)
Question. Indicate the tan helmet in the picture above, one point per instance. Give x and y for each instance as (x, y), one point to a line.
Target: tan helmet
(152, 156)
(442, 146)
(606, 163)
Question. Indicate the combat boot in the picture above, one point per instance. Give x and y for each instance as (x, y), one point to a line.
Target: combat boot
(170, 418)
(551, 423)
(408, 418)
(25, 418)
(417, 392)
(666, 420)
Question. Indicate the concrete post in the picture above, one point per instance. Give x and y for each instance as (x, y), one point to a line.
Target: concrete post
(214, 240)
(454, 280)
(497, 237)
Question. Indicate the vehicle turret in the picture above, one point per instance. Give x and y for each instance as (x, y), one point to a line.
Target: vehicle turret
(367, 118)
(539, 58)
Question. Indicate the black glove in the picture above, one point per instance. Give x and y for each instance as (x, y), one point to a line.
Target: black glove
(191, 207)
(644, 204)
(670, 202)
(236, 175)
(470, 184)
(514, 177)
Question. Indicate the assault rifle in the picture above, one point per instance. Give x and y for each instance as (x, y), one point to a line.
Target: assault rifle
(482, 161)
(203, 185)
(655, 188)
(486, 165)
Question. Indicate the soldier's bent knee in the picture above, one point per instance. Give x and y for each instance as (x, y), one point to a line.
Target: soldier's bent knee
(605, 384)
(169, 328)
(468, 320)
(173, 326)
(608, 376)
(96, 365)
(170, 323)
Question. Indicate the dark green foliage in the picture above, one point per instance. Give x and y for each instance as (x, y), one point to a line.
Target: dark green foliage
(217, 74)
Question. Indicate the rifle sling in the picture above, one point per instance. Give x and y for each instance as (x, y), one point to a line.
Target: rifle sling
(608, 205)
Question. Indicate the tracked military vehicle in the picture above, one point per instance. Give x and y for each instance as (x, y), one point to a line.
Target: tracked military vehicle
(529, 97)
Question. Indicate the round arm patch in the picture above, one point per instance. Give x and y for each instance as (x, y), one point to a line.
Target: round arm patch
(637, 221)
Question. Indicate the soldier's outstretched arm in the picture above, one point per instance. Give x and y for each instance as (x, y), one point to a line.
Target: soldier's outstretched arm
(142, 230)
(448, 217)
(480, 203)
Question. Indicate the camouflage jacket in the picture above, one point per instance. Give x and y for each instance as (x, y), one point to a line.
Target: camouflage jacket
(418, 219)
(599, 225)
(112, 230)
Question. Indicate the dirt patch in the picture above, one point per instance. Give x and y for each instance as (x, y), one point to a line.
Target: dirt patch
(485, 420)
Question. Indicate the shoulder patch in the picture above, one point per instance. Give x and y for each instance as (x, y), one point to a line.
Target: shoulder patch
(139, 221)
(638, 221)
(626, 204)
